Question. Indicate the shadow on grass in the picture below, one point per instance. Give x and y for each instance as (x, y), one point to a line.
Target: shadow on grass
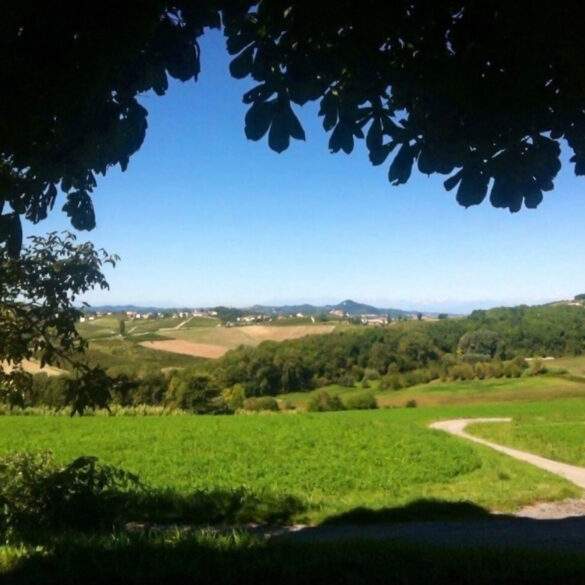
(204, 558)
(417, 511)
(238, 506)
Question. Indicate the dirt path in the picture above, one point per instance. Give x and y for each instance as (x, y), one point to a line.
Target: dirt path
(456, 427)
(183, 323)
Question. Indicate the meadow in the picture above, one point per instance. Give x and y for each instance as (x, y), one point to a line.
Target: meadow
(437, 393)
(295, 467)
(328, 464)
(558, 436)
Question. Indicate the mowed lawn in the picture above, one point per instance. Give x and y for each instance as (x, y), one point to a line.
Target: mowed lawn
(331, 462)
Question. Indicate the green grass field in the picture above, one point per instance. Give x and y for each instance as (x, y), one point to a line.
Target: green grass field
(373, 466)
(329, 463)
(558, 436)
(574, 365)
(494, 390)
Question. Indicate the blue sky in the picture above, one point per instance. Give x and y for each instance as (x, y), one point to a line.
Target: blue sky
(203, 217)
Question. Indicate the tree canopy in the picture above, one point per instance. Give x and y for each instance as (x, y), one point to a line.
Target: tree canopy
(481, 92)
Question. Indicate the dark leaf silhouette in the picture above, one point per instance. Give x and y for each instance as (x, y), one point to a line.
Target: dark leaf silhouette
(242, 64)
(472, 188)
(79, 208)
(341, 138)
(258, 119)
(401, 166)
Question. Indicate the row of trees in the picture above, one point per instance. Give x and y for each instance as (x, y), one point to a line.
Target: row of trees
(346, 357)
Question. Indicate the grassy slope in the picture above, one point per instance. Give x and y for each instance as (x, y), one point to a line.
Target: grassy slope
(495, 390)
(110, 350)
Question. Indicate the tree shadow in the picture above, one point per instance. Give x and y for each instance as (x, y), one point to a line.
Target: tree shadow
(416, 511)
(429, 541)
(233, 507)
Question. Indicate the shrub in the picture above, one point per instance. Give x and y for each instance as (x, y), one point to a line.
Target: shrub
(347, 380)
(320, 381)
(538, 366)
(365, 383)
(474, 358)
(512, 370)
(357, 372)
(289, 405)
(235, 396)
(411, 403)
(391, 382)
(361, 401)
(261, 403)
(323, 401)
(371, 374)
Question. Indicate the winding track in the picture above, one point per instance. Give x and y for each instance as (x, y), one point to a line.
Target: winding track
(456, 427)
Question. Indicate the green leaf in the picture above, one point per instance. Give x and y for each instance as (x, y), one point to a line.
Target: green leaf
(259, 93)
(11, 233)
(473, 188)
(532, 196)
(378, 155)
(374, 135)
(279, 135)
(294, 126)
(235, 43)
(79, 208)
(341, 138)
(579, 161)
(506, 195)
(453, 180)
(258, 119)
(329, 110)
(241, 66)
(401, 166)
(302, 91)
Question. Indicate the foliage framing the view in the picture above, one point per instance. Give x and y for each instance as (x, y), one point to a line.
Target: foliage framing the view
(37, 315)
(481, 92)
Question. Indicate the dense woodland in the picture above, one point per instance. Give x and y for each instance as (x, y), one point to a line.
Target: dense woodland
(486, 344)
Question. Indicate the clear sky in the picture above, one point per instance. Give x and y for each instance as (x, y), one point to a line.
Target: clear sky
(203, 217)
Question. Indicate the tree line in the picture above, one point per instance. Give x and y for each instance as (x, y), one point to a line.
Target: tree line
(490, 343)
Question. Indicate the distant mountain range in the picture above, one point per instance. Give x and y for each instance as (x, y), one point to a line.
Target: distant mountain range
(348, 307)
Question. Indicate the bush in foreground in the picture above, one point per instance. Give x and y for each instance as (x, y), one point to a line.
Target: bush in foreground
(36, 492)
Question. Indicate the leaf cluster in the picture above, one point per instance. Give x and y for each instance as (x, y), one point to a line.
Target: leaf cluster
(38, 315)
(482, 92)
(72, 109)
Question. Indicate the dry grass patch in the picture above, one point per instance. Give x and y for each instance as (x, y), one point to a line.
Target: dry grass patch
(33, 367)
(181, 346)
(232, 337)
